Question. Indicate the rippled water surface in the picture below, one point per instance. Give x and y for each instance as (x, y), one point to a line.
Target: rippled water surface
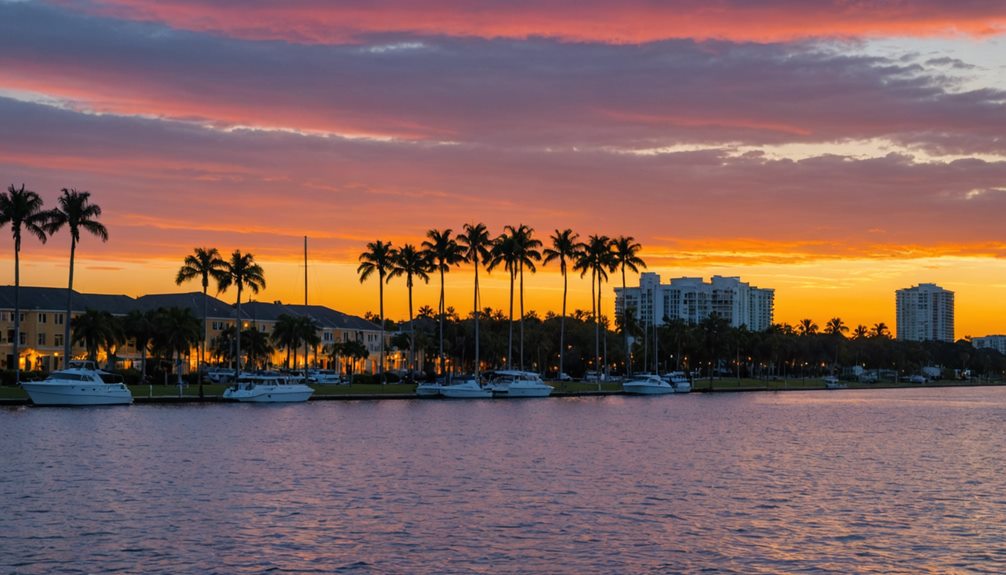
(880, 481)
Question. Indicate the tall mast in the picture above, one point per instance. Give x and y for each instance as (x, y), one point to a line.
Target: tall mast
(307, 345)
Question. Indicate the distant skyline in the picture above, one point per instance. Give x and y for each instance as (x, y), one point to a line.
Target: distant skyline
(835, 152)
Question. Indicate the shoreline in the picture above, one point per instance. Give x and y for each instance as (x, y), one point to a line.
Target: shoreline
(737, 387)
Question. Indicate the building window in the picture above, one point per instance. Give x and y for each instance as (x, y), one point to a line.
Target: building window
(57, 318)
(42, 317)
(41, 339)
(328, 336)
(57, 340)
(22, 339)
(23, 316)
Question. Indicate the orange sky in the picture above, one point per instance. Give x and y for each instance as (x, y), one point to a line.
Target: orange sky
(834, 152)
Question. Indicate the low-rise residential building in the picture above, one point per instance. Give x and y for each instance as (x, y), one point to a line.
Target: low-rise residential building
(996, 342)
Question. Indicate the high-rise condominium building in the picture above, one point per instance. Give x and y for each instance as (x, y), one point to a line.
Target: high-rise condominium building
(925, 313)
(692, 300)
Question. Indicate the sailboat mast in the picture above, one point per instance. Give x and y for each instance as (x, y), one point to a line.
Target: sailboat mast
(307, 345)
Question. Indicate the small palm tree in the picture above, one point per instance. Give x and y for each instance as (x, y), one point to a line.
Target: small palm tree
(76, 213)
(412, 264)
(476, 244)
(625, 254)
(565, 248)
(861, 332)
(22, 209)
(203, 263)
(176, 332)
(242, 272)
(880, 330)
(97, 329)
(285, 334)
(443, 252)
(257, 344)
(379, 258)
(139, 327)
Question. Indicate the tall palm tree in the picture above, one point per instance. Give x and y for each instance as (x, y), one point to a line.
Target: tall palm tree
(22, 209)
(203, 263)
(880, 330)
(504, 252)
(443, 251)
(596, 259)
(76, 212)
(807, 327)
(625, 254)
(378, 258)
(836, 326)
(860, 332)
(565, 248)
(412, 263)
(526, 253)
(242, 272)
(477, 245)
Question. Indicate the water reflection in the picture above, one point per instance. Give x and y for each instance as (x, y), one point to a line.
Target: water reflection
(885, 481)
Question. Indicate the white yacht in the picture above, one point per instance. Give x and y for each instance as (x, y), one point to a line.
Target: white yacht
(428, 389)
(647, 384)
(466, 388)
(514, 383)
(79, 384)
(325, 377)
(679, 381)
(267, 388)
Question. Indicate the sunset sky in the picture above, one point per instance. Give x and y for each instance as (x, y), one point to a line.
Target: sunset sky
(835, 151)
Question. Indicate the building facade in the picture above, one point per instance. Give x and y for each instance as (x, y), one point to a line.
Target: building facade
(996, 342)
(925, 313)
(693, 300)
(43, 313)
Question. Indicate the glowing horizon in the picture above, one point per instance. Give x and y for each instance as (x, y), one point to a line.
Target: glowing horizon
(834, 152)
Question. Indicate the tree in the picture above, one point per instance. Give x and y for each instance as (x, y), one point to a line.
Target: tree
(861, 332)
(477, 245)
(411, 263)
(807, 327)
(203, 263)
(443, 252)
(565, 248)
(176, 331)
(76, 213)
(354, 350)
(624, 254)
(286, 334)
(525, 254)
(379, 258)
(880, 330)
(257, 344)
(504, 252)
(836, 327)
(22, 209)
(95, 330)
(139, 327)
(596, 259)
(242, 272)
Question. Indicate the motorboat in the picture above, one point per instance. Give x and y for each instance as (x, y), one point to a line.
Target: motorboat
(219, 374)
(325, 377)
(467, 388)
(832, 382)
(428, 389)
(81, 383)
(679, 381)
(647, 384)
(267, 388)
(514, 383)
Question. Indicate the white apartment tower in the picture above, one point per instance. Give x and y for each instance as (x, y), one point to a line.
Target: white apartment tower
(692, 300)
(925, 313)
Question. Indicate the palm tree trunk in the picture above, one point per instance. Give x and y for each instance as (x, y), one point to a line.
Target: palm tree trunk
(412, 334)
(17, 311)
(380, 291)
(597, 323)
(202, 340)
(475, 306)
(562, 324)
(509, 347)
(522, 316)
(69, 307)
(604, 332)
(442, 367)
(628, 356)
(237, 325)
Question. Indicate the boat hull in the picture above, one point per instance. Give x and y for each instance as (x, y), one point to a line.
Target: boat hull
(515, 391)
(646, 389)
(287, 393)
(428, 390)
(455, 392)
(42, 393)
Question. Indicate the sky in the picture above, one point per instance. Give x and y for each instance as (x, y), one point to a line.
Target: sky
(835, 151)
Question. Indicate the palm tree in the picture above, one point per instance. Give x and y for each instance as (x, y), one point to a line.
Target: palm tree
(22, 209)
(379, 257)
(504, 252)
(203, 263)
(97, 329)
(624, 251)
(565, 248)
(286, 334)
(880, 330)
(411, 263)
(242, 272)
(807, 327)
(525, 254)
(477, 245)
(257, 344)
(443, 252)
(176, 331)
(861, 332)
(76, 212)
(596, 259)
(836, 326)
(139, 327)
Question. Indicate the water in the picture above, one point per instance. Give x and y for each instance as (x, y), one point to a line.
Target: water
(880, 481)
